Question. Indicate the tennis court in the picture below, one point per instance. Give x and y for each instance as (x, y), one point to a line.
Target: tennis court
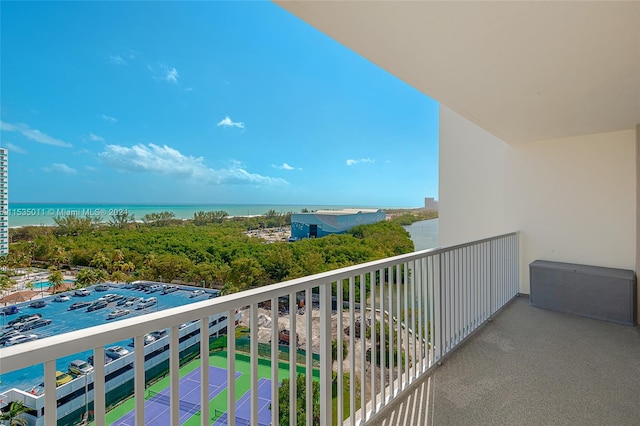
(243, 407)
(157, 402)
(157, 405)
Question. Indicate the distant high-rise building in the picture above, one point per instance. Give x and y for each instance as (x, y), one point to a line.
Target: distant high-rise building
(430, 203)
(4, 201)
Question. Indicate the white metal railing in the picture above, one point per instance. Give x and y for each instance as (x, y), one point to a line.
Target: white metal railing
(397, 317)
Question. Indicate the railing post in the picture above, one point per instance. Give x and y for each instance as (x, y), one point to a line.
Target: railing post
(253, 342)
(139, 378)
(325, 354)
(231, 367)
(275, 363)
(293, 360)
(204, 371)
(174, 376)
(308, 310)
(437, 340)
(99, 394)
(50, 404)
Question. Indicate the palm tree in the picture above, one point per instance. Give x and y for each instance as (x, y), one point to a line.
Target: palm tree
(6, 283)
(60, 256)
(56, 279)
(117, 259)
(14, 415)
(119, 276)
(4, 262)
(100, 260)
(101, 275)
(85, 277)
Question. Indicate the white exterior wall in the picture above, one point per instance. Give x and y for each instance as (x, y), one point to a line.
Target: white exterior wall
(573, 199)
(471, 181)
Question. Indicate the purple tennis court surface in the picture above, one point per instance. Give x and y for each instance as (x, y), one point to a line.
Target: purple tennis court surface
(156, 408)
(243, 407)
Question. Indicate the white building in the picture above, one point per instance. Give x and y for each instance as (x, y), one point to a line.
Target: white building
(4, 201)
(430, 203)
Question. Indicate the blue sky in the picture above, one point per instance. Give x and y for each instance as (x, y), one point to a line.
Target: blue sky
(203, 102)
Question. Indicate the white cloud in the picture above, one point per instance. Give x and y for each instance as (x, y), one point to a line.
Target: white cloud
(117, 59)
(106, 117)
(285, 166)
(164, 73)
(172, 75)
(227, 122)
(353, 162)
(33, 134)
(164, 160)
(93, 137)
(60, 168)
(189, 89)
(122, 58)
(91, 169)
(14, 148)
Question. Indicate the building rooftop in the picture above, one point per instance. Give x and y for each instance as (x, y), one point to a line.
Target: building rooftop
(343, 212)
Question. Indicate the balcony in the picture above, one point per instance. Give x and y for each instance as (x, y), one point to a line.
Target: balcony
(422, 305)
(530, 366)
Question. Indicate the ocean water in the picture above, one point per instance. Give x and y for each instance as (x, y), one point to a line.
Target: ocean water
(24, 214)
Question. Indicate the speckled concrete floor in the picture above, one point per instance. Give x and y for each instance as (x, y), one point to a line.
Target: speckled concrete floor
(530, 366)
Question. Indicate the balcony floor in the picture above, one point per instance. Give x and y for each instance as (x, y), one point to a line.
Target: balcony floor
(531, 366)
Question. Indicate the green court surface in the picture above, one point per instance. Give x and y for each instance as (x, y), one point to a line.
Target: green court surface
(219, 402)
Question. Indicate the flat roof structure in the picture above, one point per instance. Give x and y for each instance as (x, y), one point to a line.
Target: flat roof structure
(321, 223)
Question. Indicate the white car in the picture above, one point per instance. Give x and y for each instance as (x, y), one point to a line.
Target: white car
(116, 352)
(20, 339)
(147, 303)
(61, 298)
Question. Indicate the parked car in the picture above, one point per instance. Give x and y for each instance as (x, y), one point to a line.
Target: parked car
(9, 310)
(98, 304)
(79, 305)
(116, 352)
(21, 318)
(62, 378)
(169, 289)
(80, 367)
(36, 324)
(8, 334)
(82, 292)
(26, 321)
(38, 304)
(158, 334)
(20, 338)
(196, 293)
(107, 360)
(147, 303)
(61, 298)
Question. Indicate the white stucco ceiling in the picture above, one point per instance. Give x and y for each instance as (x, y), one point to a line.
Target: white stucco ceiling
(525, 71)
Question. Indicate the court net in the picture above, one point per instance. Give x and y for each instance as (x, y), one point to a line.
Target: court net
(221, 417)
(166, 400)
